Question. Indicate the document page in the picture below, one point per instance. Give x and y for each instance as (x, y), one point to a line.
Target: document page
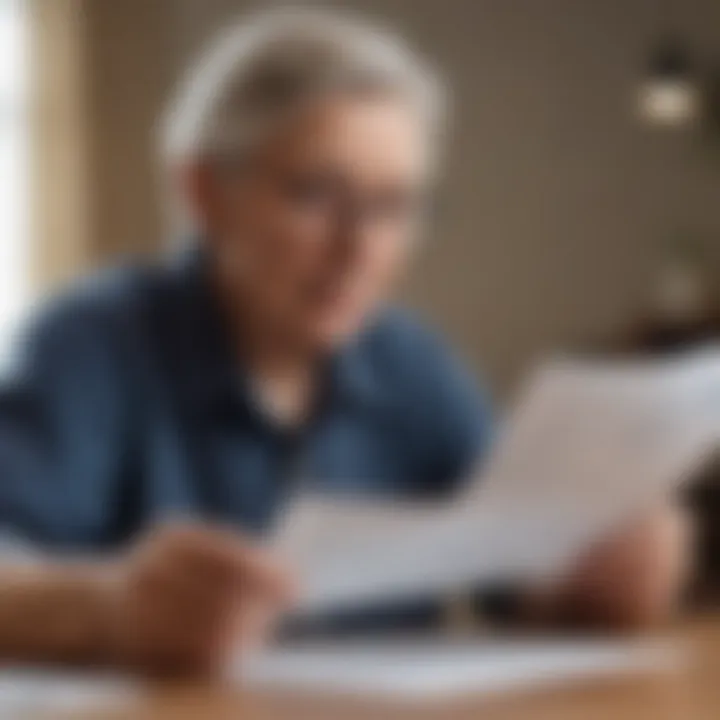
(417, 670)
(588, 445)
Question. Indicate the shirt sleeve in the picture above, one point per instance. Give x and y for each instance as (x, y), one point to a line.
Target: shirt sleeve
(61, 420)
(447, 421)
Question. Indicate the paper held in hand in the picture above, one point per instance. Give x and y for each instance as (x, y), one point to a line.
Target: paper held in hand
(588, 444)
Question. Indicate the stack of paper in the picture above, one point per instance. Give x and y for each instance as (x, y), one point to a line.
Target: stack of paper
(415, 670)
(32, 692)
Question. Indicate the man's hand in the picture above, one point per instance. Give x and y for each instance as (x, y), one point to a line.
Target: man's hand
(177, 603)
(186, 596)
(631, 581)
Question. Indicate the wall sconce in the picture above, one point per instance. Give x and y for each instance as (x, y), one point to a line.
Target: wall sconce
(672, 92)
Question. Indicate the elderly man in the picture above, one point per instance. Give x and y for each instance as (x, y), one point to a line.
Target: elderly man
(205, 390)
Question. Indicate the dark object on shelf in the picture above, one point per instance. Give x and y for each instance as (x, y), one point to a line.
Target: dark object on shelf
(668, 337)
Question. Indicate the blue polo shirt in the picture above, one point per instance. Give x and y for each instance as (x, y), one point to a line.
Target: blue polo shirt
(124, 406)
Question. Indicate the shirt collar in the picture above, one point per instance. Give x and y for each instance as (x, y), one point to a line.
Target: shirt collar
(354, 374)
(214, 379)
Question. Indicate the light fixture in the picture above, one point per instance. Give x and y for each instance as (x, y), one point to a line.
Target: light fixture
(671, 94)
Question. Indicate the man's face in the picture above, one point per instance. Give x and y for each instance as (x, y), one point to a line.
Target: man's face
(314, 230)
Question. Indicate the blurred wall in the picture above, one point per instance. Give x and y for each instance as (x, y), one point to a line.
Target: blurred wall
(59, 132)
(555, 199)
(131, 68)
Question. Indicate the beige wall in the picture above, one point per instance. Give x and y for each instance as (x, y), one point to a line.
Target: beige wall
(555, 198)
(59, 132)
(100, 70)
(132, 65)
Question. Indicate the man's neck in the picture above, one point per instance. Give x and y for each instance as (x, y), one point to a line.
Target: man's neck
(285, 380)
(283, 372)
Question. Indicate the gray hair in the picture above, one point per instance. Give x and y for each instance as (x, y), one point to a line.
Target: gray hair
(273, 64)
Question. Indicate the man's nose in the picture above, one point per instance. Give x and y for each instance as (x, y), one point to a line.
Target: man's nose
(351, 231)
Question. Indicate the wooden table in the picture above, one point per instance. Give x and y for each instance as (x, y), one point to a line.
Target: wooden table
(691, 692)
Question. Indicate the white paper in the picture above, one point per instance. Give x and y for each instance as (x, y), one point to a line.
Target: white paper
(438, 669)
(30, 691)
(409, 670)
(588, 445)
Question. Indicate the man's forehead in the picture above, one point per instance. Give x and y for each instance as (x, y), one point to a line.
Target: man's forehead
(363, 138)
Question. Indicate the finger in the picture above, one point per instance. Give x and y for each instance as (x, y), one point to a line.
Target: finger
(227, 556)
(254, 624)
(268, 574)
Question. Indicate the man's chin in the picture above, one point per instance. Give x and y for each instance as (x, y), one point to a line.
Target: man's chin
(329, 335)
